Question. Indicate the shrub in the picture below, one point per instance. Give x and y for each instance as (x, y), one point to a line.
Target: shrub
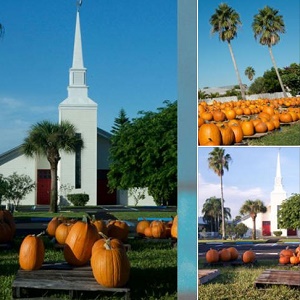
(78, 199)
(277, 232)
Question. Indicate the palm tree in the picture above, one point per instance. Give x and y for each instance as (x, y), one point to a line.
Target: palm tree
(225, 22)
(47, 139)
(212, 212)
(218, 161)
(250, 72)
(253, 207)
(267, 25)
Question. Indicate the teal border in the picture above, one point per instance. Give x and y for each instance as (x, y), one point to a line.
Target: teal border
(187, 245)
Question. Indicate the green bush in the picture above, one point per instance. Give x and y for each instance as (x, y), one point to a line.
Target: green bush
(78, 199)
(277, 232)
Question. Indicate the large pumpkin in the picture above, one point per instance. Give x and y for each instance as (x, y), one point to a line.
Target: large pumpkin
(227, 135)
(79, 243)
(110, 265)
(114, 243)
(248, 128)
(31, 253)
(238, 133)
(209, 133)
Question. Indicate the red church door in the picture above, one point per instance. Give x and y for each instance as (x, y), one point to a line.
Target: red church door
(43, 187)
(266, 228)
(103, 195)
(291, 232)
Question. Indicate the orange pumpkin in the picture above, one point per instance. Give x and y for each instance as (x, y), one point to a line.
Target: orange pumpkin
(248, 256)
(261, 127)
(114, 243)
(79, 243)
(234, 254)
(110, 265)
(248, 128)
(209, 133)
(100, 226)
(224, 255)
(140, 227)
(174, 228)
(238, 133)
(52, 225)
(212, 256)
(294, 260)
(227, 135)
(158, 230)
(118, 229)
(31, 253)
(62, 232)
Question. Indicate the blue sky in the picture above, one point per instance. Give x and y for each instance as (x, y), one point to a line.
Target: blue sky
(251, 175)
(215, 64)
(129, 50)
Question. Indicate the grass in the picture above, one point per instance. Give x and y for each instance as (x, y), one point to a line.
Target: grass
(153, 271)
(238, 283)
(287, 136)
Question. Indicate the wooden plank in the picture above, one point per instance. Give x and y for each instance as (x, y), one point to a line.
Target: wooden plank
(205, 275)
(278, 277)
(60, 277)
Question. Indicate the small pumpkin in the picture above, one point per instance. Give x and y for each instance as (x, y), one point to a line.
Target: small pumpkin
(158, 230)
(234, 254)
(286, 252)
(224, 255)
(100, 225)
(52, 225)
(110, 265)
(31, 253)
(294, 260)
(140, 227)
(118, 229)
(62, 232)
(248, 256)
(212, 256)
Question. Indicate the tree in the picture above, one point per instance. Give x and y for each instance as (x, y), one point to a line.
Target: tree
(48, 139)
(240, 229)
(144, 154)
(253, 207)
(258, 86)
(225, 21)
(202, 95)
(18, 186)
(289, 213)
(212, 213)
(3, 187)
(218, 161)
(267, 25)
(250, 72)
(120, 121)
(291, 78)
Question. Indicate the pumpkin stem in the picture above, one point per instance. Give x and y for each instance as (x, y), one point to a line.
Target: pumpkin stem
(107, 244)
(41, 233)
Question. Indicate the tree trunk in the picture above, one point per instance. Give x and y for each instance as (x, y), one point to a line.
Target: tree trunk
(222, 210)
(53, 192)
(237, 72)
(254, 227)
(277, 73)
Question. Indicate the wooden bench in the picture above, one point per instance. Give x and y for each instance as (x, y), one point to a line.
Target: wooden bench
(60, 277)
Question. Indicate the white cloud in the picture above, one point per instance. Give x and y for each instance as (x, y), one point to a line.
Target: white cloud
(233, 195)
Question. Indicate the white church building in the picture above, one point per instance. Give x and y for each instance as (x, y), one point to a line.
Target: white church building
(267, 223)
(86, 170)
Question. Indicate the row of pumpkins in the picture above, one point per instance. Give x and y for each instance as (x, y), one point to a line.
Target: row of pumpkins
(94, 241)
(223, 124)
(229, 254)
(288, 256)
(7, 226)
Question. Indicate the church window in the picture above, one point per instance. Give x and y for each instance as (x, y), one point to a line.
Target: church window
(78, 165)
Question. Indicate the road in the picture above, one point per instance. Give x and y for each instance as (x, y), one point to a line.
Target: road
(262, 251)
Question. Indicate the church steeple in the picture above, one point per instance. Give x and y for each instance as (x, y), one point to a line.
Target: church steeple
(278, 179)
(77, 89)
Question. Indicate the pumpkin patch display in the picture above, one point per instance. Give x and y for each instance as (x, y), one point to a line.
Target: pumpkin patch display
(31, 253)
(79, 243)
(110, 265)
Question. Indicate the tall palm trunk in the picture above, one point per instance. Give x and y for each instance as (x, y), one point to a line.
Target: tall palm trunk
(53, 194)
(222, 210)
(277, 73)
(253, 216)
(237, 71)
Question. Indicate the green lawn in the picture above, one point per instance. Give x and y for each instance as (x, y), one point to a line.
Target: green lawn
(238, 283)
